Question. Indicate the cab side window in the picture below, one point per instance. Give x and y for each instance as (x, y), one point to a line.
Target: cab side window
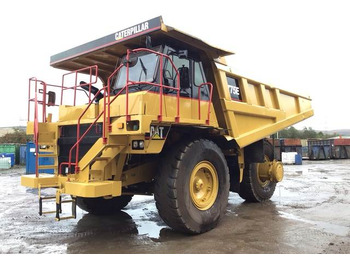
(198, 79)
(183, 67)
(191, 76)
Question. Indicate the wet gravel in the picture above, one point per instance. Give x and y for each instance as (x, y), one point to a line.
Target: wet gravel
(309, 214)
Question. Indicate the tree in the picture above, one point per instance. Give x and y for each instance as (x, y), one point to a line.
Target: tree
(18, 137)
(306, 133)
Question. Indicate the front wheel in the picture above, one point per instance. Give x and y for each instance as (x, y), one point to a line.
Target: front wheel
(103, 206)
(192, 187)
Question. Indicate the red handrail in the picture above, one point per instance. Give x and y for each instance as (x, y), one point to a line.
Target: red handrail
(199, 101)
(36, 116)
(107, 96)
(90, 68)
(35, 99)
(44, 104)
(109, 102)
(160, 85)
(79, 138)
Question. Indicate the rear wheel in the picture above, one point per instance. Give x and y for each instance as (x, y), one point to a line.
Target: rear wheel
(192, 187)
(256, 185)
(103, 206)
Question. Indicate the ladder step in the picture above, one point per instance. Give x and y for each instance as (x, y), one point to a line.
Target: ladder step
(48, 197)
(102, 158)
(95, 172)
(68, 201)
(58, 208)
(48, 212)
(47, 155)
(47, 167)
(65, 218)
(47, 144)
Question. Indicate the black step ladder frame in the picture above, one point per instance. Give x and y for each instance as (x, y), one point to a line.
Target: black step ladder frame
(59, 202)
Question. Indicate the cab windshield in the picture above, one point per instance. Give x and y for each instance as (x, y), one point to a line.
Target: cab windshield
(142, 69)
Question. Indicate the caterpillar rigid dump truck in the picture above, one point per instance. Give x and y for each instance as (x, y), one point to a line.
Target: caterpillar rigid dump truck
(149, 111)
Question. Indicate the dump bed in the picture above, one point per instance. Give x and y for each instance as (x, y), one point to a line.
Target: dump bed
(253, 110)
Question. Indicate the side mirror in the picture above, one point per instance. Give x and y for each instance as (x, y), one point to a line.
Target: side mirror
(184, 77)
(51, 98)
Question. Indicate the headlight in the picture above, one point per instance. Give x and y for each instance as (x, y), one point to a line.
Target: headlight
(138, 144)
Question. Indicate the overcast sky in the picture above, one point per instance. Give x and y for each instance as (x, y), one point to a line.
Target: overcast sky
(300, 46)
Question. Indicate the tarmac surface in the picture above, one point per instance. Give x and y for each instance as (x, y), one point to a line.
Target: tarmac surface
(308, 214)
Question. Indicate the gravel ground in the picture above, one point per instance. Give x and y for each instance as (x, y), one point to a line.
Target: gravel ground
(308, 214)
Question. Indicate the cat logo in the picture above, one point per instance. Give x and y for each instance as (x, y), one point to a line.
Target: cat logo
(159, 132)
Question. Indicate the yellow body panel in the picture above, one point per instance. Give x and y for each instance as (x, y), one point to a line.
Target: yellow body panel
(67, 113)
(94, 189)
(90, 189)
(264, 110)
(45, 180)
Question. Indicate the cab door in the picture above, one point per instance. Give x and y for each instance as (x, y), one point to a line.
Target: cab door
(191, 76)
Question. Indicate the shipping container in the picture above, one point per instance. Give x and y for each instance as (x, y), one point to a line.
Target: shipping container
(291, 142)
(305, 152)
(303, 142)
(7, 148)
(319, 149)
(287, 145)
(22, 154)
(10, 148)
(30, 160)
(337, 148)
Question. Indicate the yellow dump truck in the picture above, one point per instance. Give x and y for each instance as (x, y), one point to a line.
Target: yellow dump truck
(148, 111)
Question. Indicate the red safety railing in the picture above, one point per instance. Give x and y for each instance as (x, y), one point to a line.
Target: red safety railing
(160, 85)
(35, 98)
(107, 104)
(80, 138)
(199, 101)
(34, 91)
(107, 100)
(45, 86)
(36, 119)
(87, 70)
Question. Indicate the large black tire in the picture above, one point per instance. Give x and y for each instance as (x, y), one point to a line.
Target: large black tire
(252, 188)
(103, 206)
(192, 186)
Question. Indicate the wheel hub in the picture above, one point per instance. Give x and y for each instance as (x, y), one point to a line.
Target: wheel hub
(270, 171)
(204, 185)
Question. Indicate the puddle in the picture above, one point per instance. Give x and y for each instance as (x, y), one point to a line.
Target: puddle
(338, 230)
(146, 218)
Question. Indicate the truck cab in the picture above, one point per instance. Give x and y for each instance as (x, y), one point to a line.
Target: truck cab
(144, 67)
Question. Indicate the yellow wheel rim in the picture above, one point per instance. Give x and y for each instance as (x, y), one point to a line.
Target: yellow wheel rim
(204, 185)
(263, 172)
